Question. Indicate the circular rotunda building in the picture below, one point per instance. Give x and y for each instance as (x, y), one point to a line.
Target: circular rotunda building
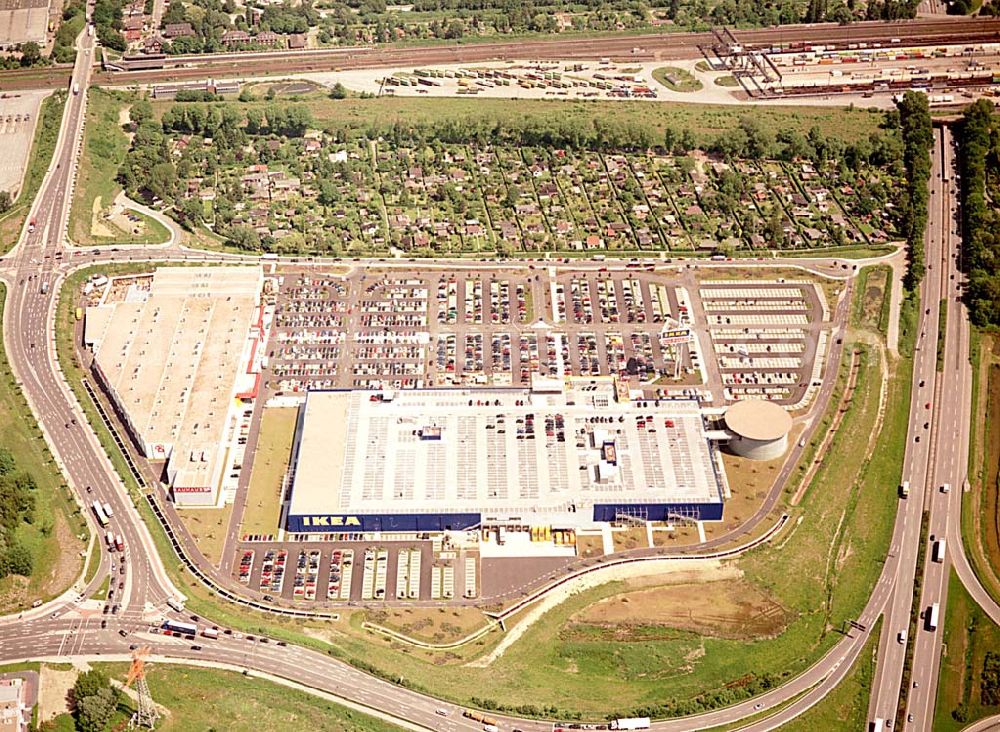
(759, 429)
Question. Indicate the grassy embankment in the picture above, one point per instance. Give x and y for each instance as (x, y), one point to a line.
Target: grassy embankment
(968, 635)
(104, 148)
(46, 132)
(981, 505)
(59, 533)
(677, 80)
(846, 707)
(822, 574)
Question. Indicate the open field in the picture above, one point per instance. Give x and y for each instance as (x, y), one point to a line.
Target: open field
(54, 538)
(982, 507)
(728, 609)
(968, 635)
(44, 144)
(434, 625)
(198, 699)
(94, 219)
(871, 311)
(274, 450)
(207, 527)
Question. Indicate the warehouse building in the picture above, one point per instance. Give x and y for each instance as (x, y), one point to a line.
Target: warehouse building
(175, 357)
(442, 459)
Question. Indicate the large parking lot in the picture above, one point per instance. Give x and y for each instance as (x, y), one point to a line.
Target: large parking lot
(358, 571)
(18, 115)
(730, 338)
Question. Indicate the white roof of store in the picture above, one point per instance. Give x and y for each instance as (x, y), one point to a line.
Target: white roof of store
(356, 455)
(173, 358)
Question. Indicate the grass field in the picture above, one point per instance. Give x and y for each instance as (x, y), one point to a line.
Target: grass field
(59, 533)
(846, 707)
(104, 149)
(42, 148)
(822, 574)
(707, 121)
(202, 700)
(679, 80)
(274, 450)
(968, 635)
(208, 527)
(871, 311)
(981, 506)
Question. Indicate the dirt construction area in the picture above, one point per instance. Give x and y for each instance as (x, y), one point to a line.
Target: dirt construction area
(733, 609)
(18, 114)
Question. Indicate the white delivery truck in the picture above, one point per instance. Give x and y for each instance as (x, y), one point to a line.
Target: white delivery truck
(631, 723)
(932, 617)
(939, 548)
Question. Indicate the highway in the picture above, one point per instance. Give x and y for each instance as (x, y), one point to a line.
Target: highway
(69, 629)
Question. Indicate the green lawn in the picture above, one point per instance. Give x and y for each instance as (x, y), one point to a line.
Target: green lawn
(200, 700)
(44, 144)
(968, 635)
(845, 707)
(54, 537)
(679, 80)
(104, 149)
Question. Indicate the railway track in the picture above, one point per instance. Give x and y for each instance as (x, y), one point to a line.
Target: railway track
(925, 31)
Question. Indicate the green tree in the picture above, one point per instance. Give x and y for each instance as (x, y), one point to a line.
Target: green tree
(94, 712)
(5, 202)
(31, 54)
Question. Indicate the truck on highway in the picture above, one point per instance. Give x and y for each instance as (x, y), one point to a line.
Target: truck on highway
(946, 487)
(877, 725)
(119, 543)
(108, 510)
(210, 633)
(631, 723)
(939, 548)
(175, 605)
(110, 538)
(45, 288)
(484, 720)
(904, 489)
(932, 617)
(102, 517)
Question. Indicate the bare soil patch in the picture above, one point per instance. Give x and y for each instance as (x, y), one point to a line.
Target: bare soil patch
(630, 538)
(589, 545)
(734, 609)
(53, 697)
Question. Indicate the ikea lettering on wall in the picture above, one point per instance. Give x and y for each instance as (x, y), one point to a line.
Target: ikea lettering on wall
(331, 521)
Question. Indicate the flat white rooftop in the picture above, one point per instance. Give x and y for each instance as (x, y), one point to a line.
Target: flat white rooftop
(496, 452)
(172, 359)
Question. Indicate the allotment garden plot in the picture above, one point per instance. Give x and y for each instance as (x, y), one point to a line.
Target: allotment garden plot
(316, 192)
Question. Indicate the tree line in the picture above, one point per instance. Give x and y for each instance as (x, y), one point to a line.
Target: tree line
(914, 119)
(17, 506)
(979, 164)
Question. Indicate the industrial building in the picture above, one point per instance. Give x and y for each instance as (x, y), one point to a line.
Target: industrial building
(449, 459)
(759, 429)
(176, 355)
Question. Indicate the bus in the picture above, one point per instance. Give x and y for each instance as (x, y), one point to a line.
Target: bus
(175, 626)
(102, 518)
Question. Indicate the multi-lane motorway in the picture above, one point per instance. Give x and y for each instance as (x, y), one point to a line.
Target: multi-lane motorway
(65, 629)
